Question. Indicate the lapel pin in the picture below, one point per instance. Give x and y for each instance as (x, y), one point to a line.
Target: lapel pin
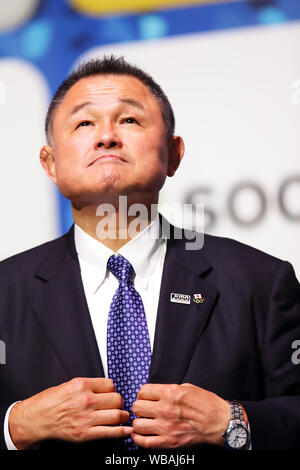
(180, 298)
(198, 299)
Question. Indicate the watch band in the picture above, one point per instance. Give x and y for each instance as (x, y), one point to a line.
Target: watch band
(236, 411)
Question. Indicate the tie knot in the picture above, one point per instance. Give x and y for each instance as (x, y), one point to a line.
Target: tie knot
(120, 268)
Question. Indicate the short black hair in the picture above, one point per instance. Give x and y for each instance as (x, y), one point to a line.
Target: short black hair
(111, 65)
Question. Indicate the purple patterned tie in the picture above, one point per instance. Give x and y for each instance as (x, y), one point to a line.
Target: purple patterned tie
(128, 344)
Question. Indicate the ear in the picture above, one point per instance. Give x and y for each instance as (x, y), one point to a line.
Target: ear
(48, 162)
(176, 152)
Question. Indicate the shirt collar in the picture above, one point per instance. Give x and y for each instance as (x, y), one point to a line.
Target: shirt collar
(142, 251)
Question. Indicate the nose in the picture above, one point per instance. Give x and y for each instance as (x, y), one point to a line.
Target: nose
(107, 144)
(107, 137)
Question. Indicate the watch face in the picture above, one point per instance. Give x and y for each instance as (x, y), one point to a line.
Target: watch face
(237, 437)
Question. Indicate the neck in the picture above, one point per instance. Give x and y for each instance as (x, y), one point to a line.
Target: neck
(113, 226)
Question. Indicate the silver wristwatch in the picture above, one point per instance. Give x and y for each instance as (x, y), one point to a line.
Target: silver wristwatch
(236, 435)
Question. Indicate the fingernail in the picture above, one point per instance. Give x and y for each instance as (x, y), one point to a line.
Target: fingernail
(128, 430)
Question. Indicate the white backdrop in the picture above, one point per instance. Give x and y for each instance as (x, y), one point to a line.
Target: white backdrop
(28, 202)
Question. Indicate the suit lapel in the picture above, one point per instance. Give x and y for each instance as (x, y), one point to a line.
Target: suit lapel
(179, 326)
(58, 301)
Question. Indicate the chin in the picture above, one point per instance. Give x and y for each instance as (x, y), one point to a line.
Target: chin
(109, 190)
(95, 198)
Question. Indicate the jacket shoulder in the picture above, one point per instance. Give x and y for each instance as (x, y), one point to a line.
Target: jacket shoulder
(240, 259)
(29, 260)
(232, 250)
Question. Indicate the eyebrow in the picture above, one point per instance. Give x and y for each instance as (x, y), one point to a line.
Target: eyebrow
(78, 107)
(129, 101)
(132, 102)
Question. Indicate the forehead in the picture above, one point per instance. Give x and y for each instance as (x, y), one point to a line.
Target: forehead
(106, 88)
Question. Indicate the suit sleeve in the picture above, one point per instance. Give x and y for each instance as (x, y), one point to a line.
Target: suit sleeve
(3, 411)
(275, 421)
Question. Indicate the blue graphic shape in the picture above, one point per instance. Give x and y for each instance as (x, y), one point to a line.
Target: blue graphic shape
(152, 27)
(36, 39)
(66, 218)
(271, 15)
(116, 29)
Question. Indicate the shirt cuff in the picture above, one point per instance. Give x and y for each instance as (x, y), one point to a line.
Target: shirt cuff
(8, 440)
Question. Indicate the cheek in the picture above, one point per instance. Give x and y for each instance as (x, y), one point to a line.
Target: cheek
(152, 153)
(71, 155)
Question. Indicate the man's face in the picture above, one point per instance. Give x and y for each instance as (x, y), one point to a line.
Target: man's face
(109, 139)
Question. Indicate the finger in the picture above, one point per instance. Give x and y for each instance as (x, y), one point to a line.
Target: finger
(150, 392)
(108, 401)
(145, 426)
(95, 384)
(110, 417)
(145, 408)
(154, 442)
(102, 385)
(108, 432)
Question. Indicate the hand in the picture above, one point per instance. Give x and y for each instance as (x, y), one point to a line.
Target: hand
(79, 410)
(172, 416)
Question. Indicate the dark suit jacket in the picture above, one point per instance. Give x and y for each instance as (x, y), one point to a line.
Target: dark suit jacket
(237, 343)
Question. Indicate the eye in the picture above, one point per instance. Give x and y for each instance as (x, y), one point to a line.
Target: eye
(83, 124)
(130, 120)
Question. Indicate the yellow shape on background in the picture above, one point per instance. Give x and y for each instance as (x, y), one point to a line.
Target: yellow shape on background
(98, 7)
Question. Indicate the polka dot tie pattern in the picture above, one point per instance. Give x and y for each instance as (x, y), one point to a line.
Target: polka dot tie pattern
(128, 343)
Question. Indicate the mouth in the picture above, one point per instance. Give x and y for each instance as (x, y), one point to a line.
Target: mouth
(109, 157)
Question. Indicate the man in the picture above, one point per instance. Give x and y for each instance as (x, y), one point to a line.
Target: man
(210, 330)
